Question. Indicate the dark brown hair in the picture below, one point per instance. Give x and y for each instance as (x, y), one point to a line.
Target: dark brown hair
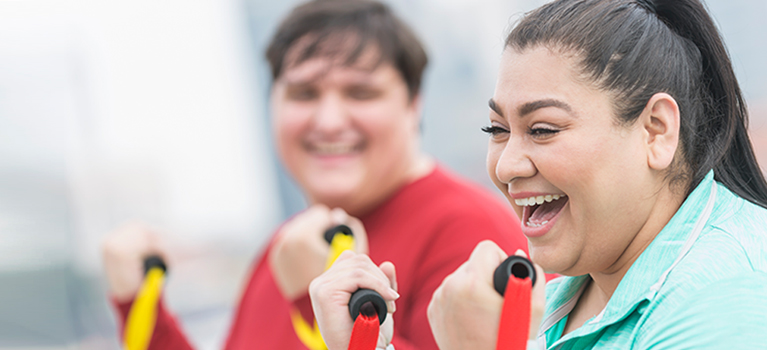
(331, 25)
(636, 48)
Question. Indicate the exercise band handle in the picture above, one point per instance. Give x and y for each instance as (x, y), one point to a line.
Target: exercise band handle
(154, 261)
(142, 316)
(360, 298)
(518, 266)
(342, 229)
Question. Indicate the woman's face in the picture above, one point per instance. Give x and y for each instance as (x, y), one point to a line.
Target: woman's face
(555, 136)
(347, 133)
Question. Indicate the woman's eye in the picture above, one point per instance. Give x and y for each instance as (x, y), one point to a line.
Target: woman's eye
(494, 130)
(541, 132)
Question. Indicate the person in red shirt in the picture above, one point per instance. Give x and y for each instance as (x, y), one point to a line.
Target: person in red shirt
(346, 109)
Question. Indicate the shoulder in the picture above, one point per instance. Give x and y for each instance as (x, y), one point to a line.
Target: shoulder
(733, 241)
(725, 271)
(714, 258)
(739, 223)
(732, 312)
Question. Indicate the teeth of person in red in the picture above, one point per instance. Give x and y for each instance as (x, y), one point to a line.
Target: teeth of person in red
(333, 148)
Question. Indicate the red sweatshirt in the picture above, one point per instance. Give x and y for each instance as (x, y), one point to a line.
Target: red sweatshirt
(427, 229)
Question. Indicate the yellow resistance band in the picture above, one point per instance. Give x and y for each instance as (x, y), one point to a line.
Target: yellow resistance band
(309, 335)
(143, 314)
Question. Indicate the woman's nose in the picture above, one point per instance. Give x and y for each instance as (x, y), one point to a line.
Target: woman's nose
(514, 162)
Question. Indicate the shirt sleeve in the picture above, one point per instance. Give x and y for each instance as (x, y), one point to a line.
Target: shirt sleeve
(167, 333)
(729, 315)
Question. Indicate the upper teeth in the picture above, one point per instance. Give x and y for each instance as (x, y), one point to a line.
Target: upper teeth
(333, 148)
(523, 202)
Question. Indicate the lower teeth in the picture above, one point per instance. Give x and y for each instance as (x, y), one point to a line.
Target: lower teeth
(530, 224)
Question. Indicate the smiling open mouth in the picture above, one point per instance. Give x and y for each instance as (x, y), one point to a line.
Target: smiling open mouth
(333, 148)
(537, 211)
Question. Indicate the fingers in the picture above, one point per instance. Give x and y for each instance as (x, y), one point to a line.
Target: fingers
(352, 271)
(488, 250)
(339, 217)
(300, 252)
(388, 269)
(124, 251)
(465, 309)
(486, 257)
(331, 291)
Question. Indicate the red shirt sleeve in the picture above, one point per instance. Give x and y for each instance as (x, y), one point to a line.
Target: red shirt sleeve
(450, 248)
(167, 333)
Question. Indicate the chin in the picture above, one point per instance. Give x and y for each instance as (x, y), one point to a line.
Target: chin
(549, 260)
(335, 198)
(335, 185)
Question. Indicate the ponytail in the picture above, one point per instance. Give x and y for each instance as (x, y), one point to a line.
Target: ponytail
(636, 48)
(726, 145)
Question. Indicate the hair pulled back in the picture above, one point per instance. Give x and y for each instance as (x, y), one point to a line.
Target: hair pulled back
(635, 48)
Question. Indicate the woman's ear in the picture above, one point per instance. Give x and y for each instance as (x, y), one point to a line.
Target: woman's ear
(660, 120)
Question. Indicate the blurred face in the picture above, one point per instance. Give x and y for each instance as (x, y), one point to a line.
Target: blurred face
(579, 180)
(347, 134)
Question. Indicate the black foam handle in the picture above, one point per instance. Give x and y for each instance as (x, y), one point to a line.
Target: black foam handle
(154, 261)
(515, 265)
(363, 296)
(331, 232)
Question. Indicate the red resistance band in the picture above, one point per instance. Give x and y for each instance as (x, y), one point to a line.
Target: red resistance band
(515, 316)
(366, 328)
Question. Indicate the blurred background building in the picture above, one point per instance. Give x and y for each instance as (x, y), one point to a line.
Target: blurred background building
(157, 111)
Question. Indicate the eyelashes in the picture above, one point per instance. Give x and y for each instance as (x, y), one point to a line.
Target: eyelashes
(534, 132)
(541, 132)
(493, 130)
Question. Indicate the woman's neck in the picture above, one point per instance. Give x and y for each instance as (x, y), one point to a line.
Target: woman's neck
(606, 281)
(603, 284)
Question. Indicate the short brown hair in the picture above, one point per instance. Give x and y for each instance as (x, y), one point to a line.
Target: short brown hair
(330, 22)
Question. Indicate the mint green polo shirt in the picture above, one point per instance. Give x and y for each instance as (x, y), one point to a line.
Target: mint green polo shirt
(700, 284)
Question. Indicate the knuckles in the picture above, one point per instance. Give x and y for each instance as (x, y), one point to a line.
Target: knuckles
(485, 246)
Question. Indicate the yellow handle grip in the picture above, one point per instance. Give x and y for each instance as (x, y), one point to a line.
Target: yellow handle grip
(143, 313)
(340, 239)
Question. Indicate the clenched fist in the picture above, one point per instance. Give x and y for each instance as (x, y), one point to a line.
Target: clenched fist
(123, 252)
(465, 310)
(300, 252)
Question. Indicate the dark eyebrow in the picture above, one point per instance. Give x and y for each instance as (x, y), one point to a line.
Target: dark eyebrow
(494, 107)
(531, 107)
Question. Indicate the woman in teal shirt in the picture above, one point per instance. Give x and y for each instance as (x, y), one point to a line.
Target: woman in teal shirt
(618, 130)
